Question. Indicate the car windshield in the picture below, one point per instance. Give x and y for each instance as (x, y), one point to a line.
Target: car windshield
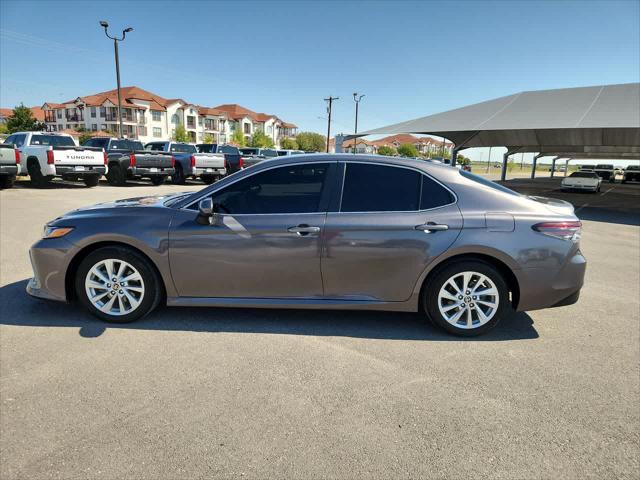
(249, 151)
(486, 182)
(604, 167)
(205, 148)
(229, 149)
(125, 145)
(183, 148)
(583, 175)
(52, 140)
(633, 167)
(269, 153)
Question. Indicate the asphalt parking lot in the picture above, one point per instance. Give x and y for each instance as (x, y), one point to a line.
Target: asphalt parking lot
(239, 393)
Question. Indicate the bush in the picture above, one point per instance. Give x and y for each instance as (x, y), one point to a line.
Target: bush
(388, 151)
(238, 138)
(180, 135)
(311, 142)
(407, 150)
(208, 138)
(289, 144)
(261, 140)
(22, 120)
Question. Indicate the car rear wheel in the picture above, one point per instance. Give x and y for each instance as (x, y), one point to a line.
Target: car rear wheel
(178, 177)
(466, 298)
(157, 180)
(208, 179)
(7, 181)
(116, 175)
(117, 285)
(35, 174)
(91, 180)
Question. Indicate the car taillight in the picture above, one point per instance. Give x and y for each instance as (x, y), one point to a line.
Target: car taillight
(173, 161)
(561, 230)
(104, 156)
(193, 161)
(241, 162)
(17, 156)
(50, 157)
(132, 160)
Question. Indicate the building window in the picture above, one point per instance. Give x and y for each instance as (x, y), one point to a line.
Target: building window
(156, 115)
(59, 113)
(103, 128)
(93, 112)
(200, 121)
(157, 132)
(191, 122)
(247, 129)
(94, 127)
(103, 112)
(174, 119)
(142, 131)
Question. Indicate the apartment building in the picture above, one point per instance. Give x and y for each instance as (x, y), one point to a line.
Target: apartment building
(147, 116)
(427, 146)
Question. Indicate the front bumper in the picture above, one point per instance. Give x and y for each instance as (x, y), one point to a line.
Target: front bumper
(49, 261)
(590, 188)
(151, 171)
(11, 170)
(547, 287)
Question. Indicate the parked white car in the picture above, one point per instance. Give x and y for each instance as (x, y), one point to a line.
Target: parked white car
(47, 155)
(583, 180)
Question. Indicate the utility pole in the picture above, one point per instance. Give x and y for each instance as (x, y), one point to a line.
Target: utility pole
(356, 99)
(330, 100)
(104, 24)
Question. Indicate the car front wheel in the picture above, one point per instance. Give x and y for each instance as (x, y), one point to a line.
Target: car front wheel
(467, 298)
(117, 284)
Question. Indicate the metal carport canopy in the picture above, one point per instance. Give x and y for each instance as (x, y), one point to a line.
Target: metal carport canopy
(567, 119)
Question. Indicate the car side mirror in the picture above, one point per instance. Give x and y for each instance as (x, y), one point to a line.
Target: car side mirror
(207, 213)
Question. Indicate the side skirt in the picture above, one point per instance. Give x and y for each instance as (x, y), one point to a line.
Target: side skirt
(303, 303)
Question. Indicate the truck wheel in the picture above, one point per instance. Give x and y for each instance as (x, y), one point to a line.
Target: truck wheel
(35, 174)
(116, 176)
(178, 176)
(466, 298)
(117, 284)
(91, 180)
(6, 181)
(157, 180)
(208, 179)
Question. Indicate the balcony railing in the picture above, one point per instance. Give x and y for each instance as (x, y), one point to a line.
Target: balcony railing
(74, 118)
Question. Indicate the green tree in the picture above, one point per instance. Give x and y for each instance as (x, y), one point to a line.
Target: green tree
(386, 150)
(289, 144)
(261, 140)
(407, 150)
(208, 138)
(22, 120)
(238, 138)
(181, 135)
(311, 142)
(3, 128)
(462, 160)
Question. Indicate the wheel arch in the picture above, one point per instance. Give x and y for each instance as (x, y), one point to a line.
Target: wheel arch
(70, 274)
(505, 270)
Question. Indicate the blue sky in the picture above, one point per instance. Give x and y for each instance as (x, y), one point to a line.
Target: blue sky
(410, 58)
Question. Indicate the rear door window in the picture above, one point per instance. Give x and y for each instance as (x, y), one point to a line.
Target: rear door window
(380, 188)
(52, 140)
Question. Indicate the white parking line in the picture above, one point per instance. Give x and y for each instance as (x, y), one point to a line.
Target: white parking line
(604, 193)
(581, 207)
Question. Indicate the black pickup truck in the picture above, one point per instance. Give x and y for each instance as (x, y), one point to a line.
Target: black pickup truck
(127, 159)
(631, 174)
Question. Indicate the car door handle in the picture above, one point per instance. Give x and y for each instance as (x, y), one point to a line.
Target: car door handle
(303, 230)
(431, 227)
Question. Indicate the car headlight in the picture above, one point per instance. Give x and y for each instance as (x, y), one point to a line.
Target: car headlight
(55, 232)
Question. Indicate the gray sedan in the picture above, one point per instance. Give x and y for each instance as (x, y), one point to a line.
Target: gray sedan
(321, 231)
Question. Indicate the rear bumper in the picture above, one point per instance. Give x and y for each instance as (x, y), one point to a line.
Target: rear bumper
(199, 171)
(9, 170)
(546, 288)
(78, 170)
(151, 171)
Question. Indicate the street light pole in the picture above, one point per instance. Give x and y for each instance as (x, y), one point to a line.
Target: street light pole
(330, 100)
(104, 24)
(356, 98)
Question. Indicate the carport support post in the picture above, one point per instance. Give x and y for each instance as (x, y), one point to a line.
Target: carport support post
(454, 157)
(535, 163)
(553, 165)
(566, 166)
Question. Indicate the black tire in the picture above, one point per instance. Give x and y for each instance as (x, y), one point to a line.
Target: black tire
(91, 180)
(35, 174)
(178, 176)
(7, 181)
(152, 282)
(208, 179)
(116, 176)
(432, 289)
(157, 180)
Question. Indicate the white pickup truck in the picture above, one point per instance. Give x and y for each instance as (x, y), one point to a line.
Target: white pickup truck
(9, 164)
(191, 164)
(47, 155)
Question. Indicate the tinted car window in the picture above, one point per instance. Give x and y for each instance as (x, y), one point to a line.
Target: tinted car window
(287, 189)
(18, 139)
(52, 140)
(249, 151)
(380, 188)
(583, 175)
(205, 148)
(183, 148)
(486, 183)
(433, 194)
(229, 149)
(155, 147)
(97, 142)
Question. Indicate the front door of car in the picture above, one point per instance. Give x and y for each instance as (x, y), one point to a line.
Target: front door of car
(265, 242)
(389, 224)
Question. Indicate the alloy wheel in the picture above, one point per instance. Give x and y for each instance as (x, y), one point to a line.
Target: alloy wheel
(114, 287)
(468, 300)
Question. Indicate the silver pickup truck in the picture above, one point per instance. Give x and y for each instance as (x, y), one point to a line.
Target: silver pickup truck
(191, 164)
(9, 164)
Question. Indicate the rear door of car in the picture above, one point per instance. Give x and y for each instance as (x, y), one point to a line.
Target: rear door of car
(386, 226)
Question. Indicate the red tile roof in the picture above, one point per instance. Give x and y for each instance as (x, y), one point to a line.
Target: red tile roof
(37, 112)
